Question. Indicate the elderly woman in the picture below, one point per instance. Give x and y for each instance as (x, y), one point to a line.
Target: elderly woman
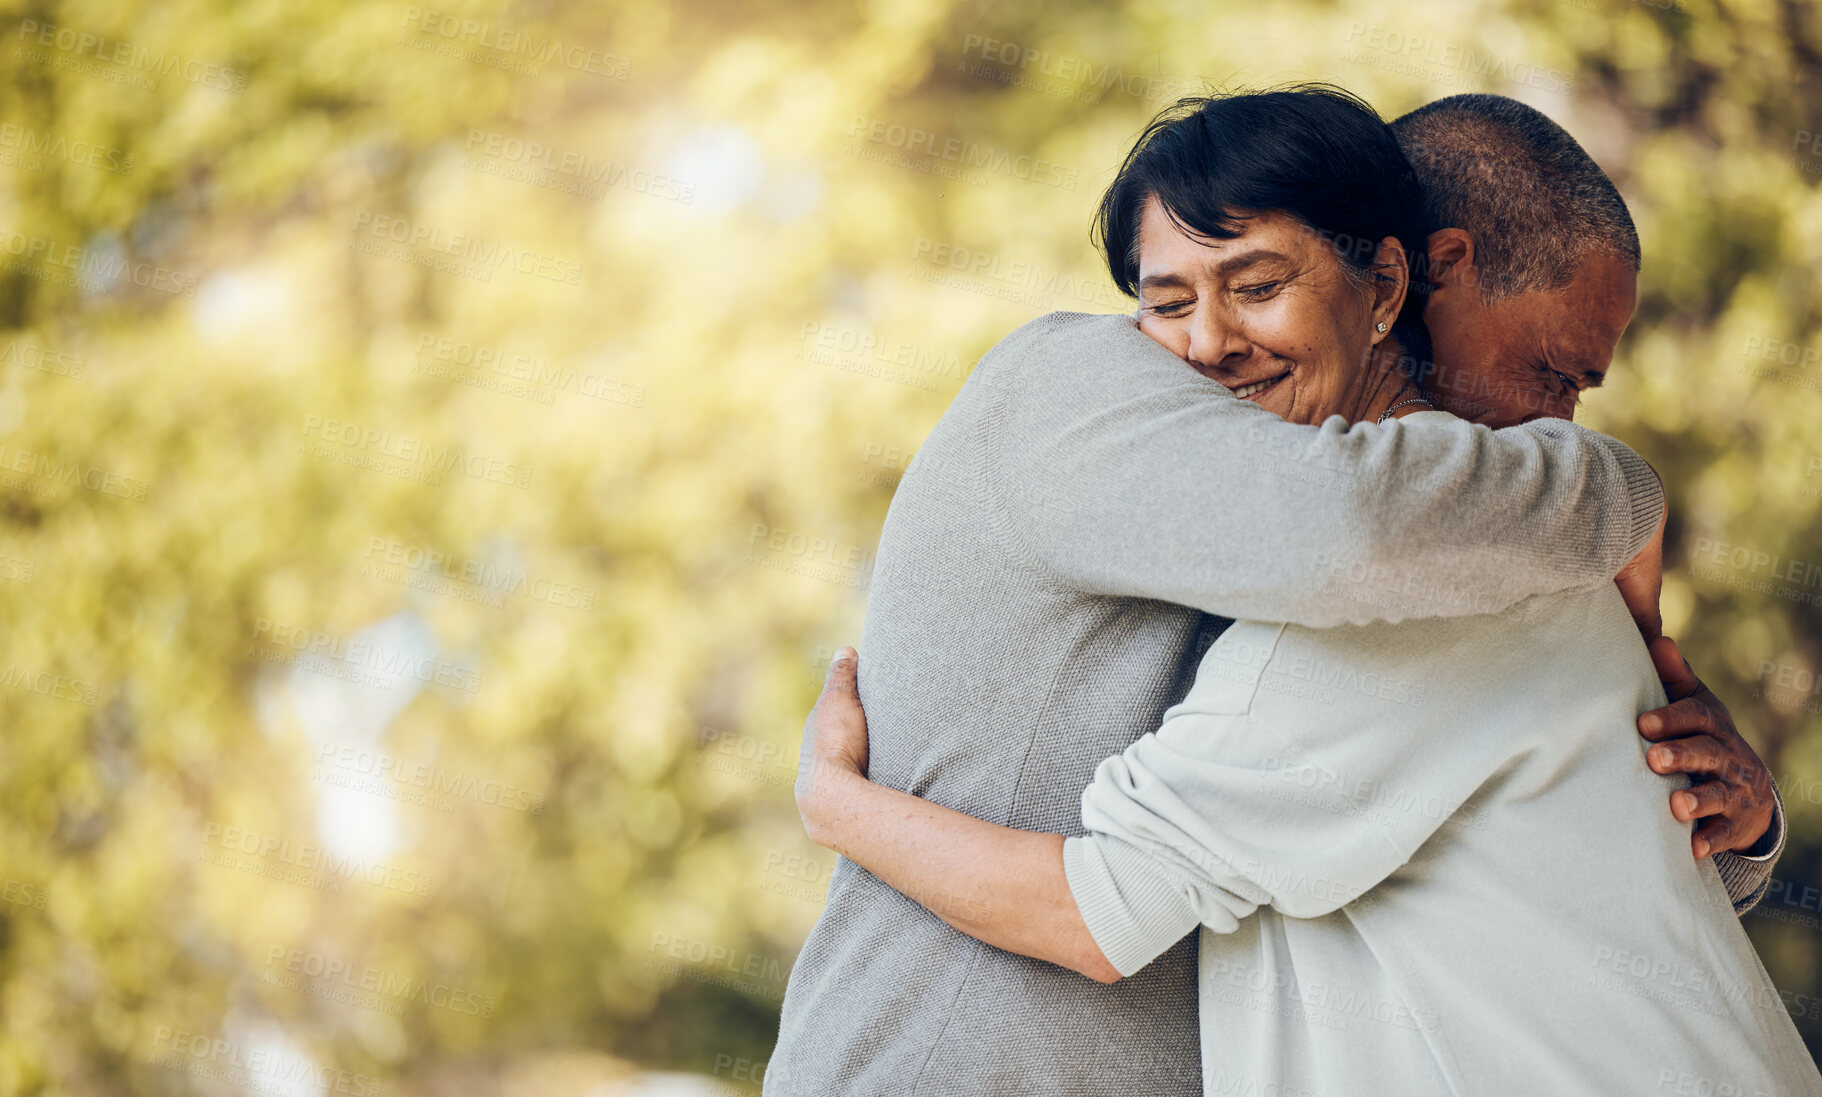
(1367, 821)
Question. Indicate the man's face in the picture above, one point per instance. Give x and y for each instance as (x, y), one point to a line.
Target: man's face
(1530, 355)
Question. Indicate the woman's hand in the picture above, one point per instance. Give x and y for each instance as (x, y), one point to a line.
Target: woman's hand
(834, 753)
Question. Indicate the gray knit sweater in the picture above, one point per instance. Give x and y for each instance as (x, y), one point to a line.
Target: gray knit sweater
(1049, 573)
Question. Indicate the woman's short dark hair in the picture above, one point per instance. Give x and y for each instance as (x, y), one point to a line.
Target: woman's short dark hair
(1313, 151)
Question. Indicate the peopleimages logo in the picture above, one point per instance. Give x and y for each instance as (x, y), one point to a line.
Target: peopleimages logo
(511, 42)
(95, 271)
(72, 473)
(1076, 77)
(309, 858)
(53, 146)
(531, 370)
(488, 577)
(1019, 281)
(401, 988)
(1755, 562)
(1407, 49)
(313, 649)
(969, 154)
(256, 1069)
(565, 169)
(384, 767)
(42, 359)
(133, 58)
(414, 452)
(466, 247)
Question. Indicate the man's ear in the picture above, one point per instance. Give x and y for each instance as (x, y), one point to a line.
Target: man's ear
(1450, 259)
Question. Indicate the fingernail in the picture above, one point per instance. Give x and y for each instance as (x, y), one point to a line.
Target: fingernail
(1660, 756)
(1650, 722)
(1701, 848)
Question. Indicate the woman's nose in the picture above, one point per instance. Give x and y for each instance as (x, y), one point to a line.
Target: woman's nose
(1215, 340)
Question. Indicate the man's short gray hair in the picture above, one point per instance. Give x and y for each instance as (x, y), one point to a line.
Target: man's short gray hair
(1532, 198)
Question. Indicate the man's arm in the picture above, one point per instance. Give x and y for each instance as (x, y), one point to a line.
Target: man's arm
(1122, 471)
(1731, 790)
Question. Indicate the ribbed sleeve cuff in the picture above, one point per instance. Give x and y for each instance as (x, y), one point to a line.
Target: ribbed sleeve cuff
(1749, 878)
(1646, 492)
(1132, 908)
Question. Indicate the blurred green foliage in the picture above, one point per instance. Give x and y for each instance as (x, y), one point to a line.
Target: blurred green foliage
(543, 372)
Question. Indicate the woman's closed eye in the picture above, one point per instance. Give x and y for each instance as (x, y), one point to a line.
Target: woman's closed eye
(1171, 308)
(1259, 291)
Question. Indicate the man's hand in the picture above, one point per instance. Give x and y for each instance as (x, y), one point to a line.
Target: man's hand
(834, 746)
(1641, 583)
(1695, 735)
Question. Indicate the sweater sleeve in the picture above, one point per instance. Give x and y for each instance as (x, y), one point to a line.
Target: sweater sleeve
(1211, 817)
(1123, 472)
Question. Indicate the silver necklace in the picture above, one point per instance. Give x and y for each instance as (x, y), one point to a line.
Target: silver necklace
(1387, 413)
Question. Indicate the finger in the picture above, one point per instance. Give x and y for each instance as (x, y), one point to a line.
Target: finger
(839, 692)
(1700, 801)
(838, 723)
(842, 684)
(1699, 754)
(1673, 670)
(1712, 837)
(1689, 716)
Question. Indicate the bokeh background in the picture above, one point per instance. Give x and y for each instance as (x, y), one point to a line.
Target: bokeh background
(440, 448)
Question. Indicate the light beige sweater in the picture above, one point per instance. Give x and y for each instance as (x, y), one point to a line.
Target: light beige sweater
(1429, 859)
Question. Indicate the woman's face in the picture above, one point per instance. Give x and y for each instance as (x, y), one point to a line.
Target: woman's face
(1270, 313)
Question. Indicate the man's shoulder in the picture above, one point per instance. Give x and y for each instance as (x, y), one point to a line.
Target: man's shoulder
(1059, 339)
(1059, 362)
(1074, 323)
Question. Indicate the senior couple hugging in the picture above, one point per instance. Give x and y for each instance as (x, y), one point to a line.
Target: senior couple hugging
(1264, 693)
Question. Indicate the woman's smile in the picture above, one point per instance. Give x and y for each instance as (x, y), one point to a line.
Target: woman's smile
(1258, 388)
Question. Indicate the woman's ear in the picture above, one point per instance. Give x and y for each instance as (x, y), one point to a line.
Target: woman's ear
(1391, 279)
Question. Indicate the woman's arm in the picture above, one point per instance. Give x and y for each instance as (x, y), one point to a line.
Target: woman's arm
(1002, 886)
(1126, 473)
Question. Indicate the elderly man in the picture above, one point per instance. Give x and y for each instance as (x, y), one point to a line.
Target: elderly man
(964, 638)
(1534, 279)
